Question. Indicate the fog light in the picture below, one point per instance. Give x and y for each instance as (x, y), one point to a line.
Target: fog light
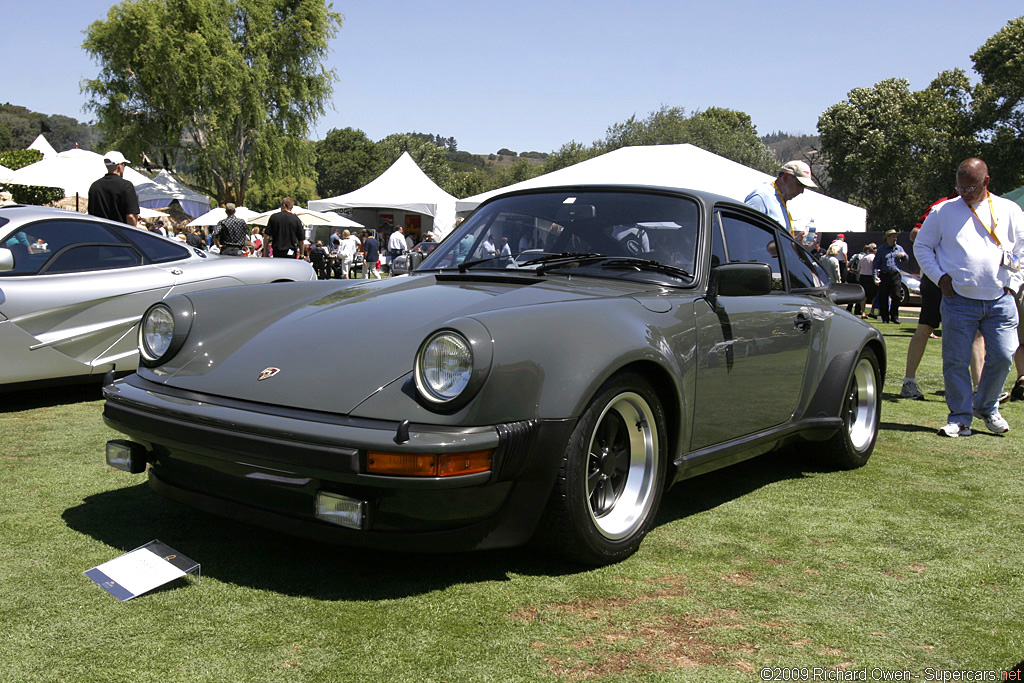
(340, 510)
(126, 455)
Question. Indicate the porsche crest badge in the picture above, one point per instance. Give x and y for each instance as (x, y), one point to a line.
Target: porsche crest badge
(267, 373)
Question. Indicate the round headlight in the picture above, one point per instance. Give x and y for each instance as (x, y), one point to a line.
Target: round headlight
(444, 366)
(163, 330)
(157, 331)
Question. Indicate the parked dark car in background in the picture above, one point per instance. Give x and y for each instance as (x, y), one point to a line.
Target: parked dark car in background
(73, 288)
(411, 260)
(636, 337)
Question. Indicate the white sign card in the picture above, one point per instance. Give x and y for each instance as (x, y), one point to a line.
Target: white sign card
(141, 570)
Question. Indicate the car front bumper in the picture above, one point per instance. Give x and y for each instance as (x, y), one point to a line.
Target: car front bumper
(266, 465)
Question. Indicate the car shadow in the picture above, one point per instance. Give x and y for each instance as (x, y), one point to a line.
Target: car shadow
(236, 553)
(51, 396)
(708, 491)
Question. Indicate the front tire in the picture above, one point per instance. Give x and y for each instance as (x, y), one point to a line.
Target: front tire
(852, 445)
(611, 477)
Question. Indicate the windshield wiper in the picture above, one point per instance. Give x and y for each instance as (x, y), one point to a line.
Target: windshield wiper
(646, 264)
(546, 263)
(547, 258)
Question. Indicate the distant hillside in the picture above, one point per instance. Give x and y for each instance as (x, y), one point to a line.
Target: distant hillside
(19, 126)
(787, 147)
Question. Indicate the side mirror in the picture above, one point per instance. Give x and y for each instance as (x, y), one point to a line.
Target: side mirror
(741, 279)
(6, 259)
(846, 293)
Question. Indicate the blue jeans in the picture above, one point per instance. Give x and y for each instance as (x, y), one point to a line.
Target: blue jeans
(962, 318)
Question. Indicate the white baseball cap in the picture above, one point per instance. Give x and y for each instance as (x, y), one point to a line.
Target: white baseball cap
(113, 158)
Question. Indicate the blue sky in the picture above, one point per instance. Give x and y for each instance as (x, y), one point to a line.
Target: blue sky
(533, 75)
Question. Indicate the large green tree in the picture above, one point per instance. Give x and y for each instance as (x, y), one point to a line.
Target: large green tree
(894, 151)
(345, 161)
(726, 132)
(1000, 104)
(230, 86)
(431, 159)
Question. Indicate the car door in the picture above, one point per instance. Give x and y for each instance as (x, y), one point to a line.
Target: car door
(71, 302)
(752, 350)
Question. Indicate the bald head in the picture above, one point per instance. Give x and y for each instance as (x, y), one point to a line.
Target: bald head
(972, 180)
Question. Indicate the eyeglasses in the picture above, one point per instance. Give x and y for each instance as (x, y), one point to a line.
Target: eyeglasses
(965, 190)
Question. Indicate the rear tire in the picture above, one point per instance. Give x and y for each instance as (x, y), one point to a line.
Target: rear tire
(611, 477)
(852, 445)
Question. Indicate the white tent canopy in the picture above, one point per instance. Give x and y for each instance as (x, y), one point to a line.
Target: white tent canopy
(307, 217)
(5, 173)
(687, 166)
(214, 216)
(73, 170)
(164, 189)
(41, 144)
(403, 187)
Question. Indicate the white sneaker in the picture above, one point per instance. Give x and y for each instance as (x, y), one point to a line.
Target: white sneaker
(911, 390)
(995, 422)
(954, 430)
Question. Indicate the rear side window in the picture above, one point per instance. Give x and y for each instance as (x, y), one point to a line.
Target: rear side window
(157, 249)
(804, 272)
(86, 257)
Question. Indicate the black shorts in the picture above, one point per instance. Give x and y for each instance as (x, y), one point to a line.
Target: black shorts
(931, 303)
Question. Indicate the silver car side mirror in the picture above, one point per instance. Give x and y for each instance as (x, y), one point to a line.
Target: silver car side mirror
(6, 259)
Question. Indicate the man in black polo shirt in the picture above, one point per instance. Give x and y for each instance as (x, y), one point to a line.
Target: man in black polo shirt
(285, 231)
(230, 233)
(112, 196)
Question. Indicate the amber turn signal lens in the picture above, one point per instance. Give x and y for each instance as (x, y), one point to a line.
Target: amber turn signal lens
(405, 464)
(428, 464)
(454, 464)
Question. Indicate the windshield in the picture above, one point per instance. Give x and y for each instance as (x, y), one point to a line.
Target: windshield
(653, 235)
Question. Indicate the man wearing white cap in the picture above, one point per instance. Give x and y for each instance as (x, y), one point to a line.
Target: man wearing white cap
(770, 198)
(112, 196)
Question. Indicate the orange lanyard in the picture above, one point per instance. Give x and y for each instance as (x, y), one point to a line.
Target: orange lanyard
(789, 216)
(992, 213)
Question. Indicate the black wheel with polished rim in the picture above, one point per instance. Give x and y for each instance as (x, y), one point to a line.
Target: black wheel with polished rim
(611, 477)
(852, 445)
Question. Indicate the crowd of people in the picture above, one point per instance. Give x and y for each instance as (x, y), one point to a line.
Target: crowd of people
(969, 245)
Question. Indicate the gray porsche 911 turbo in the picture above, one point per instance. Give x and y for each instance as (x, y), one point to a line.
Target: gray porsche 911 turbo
(629, 337)
(73, 288)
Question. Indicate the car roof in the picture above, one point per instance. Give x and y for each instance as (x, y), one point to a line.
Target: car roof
(709, 198)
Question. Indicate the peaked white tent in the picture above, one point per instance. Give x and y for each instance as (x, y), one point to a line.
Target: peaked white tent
(5, 174)
(73, 170)
(214, 216)
(164, 189)
(41, 144)
(404, 187)
(308, 217)
(687, 166)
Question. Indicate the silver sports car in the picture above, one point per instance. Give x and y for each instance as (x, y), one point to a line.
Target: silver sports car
(73, 287)
(628, 338)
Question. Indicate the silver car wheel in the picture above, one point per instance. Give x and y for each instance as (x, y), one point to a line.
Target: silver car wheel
(622, 466)
(860, 416)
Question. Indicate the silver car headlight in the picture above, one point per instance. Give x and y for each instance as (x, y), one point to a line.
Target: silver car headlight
(163, 330)
(444, 366)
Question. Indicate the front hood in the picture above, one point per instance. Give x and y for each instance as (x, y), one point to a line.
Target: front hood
(335, 349)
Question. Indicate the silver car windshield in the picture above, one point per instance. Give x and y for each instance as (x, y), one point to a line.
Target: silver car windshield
(608, 234)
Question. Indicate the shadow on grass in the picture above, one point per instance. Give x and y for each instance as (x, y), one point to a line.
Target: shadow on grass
(710, 490)
(236, 553)
(48, 397)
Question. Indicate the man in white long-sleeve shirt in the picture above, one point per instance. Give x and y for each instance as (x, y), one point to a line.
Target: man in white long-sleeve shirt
(972, 247)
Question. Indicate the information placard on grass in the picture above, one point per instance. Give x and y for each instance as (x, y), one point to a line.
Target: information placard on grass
(141, 570)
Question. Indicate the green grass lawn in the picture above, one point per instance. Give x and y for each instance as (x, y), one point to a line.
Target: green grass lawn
(911, 563)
